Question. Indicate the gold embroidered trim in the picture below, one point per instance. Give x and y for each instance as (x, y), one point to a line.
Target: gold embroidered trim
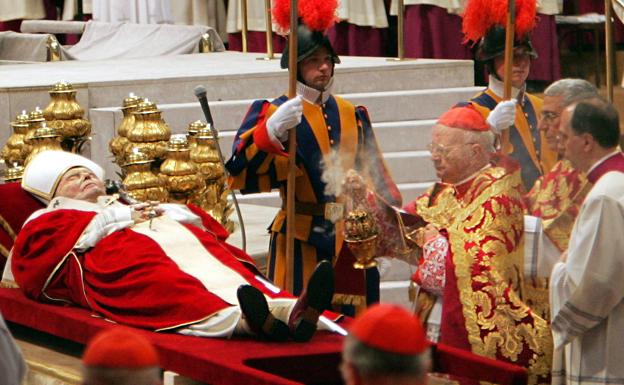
(7, 227)
(4, 251)
(348, 299)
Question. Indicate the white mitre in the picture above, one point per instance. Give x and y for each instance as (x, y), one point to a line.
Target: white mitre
(43, 173)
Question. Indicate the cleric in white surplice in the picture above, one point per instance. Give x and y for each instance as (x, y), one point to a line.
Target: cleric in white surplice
(587, 286)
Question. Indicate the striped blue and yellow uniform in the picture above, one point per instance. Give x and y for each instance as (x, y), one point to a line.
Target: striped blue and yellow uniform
(257, 166)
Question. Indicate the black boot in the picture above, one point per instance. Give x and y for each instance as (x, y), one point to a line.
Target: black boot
(255, 308)
(315, 299)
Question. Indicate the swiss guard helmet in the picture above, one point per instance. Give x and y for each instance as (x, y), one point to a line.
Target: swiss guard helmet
(309, 41)
(315, 17)
(492, 44)
(483, 24)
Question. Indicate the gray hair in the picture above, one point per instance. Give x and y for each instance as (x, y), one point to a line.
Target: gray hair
(483, 138)
(572, 90)
(372, 362)
(97, 375)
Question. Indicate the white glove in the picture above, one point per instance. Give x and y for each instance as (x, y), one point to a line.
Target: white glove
(287, 116)
(502, 116)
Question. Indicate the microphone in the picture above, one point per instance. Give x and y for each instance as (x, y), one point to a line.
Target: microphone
(200, 93)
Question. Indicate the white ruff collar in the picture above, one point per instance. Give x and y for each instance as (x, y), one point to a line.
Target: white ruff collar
(498, 88)
(315, 96)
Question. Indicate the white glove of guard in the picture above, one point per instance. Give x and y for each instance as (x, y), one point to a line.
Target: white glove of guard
(502, 116)
(287, 116)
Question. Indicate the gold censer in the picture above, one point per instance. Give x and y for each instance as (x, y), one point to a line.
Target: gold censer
(361, 237)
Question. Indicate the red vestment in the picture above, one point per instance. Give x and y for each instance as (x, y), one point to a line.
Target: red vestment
(483, 309)
(126, 277)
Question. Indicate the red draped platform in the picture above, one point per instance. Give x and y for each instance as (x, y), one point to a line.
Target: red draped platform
(211, 360)
(243, 361)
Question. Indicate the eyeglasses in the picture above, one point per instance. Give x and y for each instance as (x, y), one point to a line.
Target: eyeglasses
(442, 150)
(549, 117)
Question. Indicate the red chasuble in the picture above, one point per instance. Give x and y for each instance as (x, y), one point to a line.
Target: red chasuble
(483, 309)
(126, 277)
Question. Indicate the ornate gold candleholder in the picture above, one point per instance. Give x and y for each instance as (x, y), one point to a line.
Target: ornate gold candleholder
(13, 174)
(178, 172)
(66, 116)
(192, 130)
(44, 139)
(213, 197)
(16, 150)
(150, 133)
(35, 121)
(118, 144)
(140, 182)
(361, 237)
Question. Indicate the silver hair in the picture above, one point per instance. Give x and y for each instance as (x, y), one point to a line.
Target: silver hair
(572, 90)
(97, 375)
(372, 362)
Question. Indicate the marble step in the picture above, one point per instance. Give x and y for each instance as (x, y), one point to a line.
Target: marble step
(226, 76)
(404, 135)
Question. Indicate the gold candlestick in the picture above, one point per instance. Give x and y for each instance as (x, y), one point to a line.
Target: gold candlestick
(140, 182)
(44, 139)
(118, 144)
(66, 116)
(213, 197)
(178, 172)
(150, 133)
(13, 174)
(16, 150)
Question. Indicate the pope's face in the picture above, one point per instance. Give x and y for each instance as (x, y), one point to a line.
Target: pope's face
(550, 120)
(80, 183)
(316, 69)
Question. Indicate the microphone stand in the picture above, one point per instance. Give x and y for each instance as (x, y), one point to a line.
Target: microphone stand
(200, 93)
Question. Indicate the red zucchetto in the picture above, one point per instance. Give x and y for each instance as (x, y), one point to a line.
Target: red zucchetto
(120, 347)
(390, 328)
(464, 117)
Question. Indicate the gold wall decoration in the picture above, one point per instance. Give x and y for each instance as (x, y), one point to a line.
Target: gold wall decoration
(178, 172)
(118, 144)
(140, 182)
(66, 116)
(16, 150)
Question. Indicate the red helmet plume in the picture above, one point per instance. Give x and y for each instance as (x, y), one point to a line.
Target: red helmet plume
(318, 15)
(480, 15)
